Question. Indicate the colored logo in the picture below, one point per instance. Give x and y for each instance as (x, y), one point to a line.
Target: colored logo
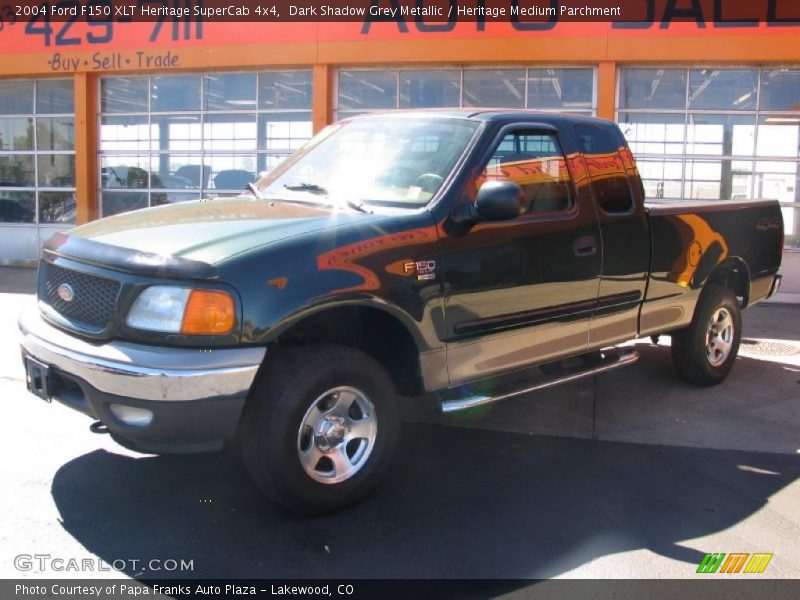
(735, 562)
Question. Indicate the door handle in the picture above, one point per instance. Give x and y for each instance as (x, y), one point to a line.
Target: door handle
(585, 246)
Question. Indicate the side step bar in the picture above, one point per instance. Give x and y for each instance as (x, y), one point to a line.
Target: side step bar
(610, 360)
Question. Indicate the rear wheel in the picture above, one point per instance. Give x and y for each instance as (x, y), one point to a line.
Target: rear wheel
(320, 427)
(704, 352)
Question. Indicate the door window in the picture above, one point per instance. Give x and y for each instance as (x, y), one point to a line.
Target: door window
(534, 161)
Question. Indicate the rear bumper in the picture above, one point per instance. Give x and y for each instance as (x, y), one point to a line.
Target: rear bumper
(152, 399)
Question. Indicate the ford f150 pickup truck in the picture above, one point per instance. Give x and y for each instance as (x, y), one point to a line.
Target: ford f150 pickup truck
(466, 256)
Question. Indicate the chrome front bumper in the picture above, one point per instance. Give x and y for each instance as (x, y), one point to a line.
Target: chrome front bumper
(185, 400)
(143, 372)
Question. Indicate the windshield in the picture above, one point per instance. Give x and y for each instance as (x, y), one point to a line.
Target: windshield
(388, 161)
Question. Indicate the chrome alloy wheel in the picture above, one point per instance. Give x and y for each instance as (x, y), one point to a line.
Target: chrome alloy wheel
(719, 338)
(337, 435)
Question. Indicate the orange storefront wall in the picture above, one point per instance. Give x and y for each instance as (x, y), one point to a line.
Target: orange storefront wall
(139, 48)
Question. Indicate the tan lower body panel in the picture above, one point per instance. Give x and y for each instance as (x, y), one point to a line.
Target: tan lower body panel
(495, 353)
(668, 314)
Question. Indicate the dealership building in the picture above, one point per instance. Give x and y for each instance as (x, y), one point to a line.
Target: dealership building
(98, 119)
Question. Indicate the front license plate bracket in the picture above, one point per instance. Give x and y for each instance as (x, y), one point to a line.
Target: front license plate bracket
(37, 375)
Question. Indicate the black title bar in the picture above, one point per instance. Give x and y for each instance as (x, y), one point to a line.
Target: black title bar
(439, 15)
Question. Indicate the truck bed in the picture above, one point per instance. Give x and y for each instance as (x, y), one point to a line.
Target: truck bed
(693, 239)
(662, 206)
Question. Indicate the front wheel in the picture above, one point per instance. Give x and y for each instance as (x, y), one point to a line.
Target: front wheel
(320, 427)
(704, 352)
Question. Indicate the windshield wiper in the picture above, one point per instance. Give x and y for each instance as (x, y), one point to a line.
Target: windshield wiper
(359, 206)
(255, 191)
(312, 188)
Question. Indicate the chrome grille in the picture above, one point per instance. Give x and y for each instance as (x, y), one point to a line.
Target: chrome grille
(94, 297)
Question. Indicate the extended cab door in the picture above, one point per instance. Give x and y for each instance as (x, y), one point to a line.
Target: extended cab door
(521, 291)
(618, 194)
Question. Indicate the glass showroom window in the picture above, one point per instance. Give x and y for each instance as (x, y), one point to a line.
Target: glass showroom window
(170, 138)
(37, 151)
(716, 134)
(560, 89)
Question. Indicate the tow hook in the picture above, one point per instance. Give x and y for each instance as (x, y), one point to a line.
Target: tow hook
(98, 427)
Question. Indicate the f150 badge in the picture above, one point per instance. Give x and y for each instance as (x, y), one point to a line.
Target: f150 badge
(425, 269)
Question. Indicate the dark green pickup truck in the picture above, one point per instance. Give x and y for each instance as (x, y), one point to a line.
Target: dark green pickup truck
(396, 256)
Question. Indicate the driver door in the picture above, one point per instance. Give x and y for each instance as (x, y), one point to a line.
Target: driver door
(521, 291)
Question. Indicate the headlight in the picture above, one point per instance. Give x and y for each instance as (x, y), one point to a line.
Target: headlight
(170, 309)
(159, 308)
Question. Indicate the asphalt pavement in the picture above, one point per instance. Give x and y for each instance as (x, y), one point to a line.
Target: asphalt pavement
(629, 475)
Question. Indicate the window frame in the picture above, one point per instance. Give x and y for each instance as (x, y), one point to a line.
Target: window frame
(261, 155)
(36, 189)
(340, 113)
(758, 114)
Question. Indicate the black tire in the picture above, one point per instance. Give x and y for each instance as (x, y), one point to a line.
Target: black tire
(691, 357)
(291, 381)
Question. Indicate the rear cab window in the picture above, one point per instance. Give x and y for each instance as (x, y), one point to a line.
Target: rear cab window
(606, 167)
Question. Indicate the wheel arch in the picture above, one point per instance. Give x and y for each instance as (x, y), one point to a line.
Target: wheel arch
(734, 274)
(379, 330)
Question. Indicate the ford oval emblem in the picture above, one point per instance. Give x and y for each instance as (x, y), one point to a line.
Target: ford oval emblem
(65, 292)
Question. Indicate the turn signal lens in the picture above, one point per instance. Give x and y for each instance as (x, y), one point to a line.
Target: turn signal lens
(208, 312)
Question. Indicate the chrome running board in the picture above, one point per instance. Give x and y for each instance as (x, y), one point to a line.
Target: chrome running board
(608, 361)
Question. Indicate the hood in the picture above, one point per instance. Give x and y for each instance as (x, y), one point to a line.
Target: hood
(211, 231)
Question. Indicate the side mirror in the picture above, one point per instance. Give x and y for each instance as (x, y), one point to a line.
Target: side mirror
(498, 200)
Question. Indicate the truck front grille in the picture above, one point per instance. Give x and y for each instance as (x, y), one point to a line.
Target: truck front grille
(93, 298)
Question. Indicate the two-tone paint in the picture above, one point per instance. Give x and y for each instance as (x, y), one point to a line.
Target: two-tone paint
(477, 299)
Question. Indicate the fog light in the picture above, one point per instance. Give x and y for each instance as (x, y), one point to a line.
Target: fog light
(130, 415)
